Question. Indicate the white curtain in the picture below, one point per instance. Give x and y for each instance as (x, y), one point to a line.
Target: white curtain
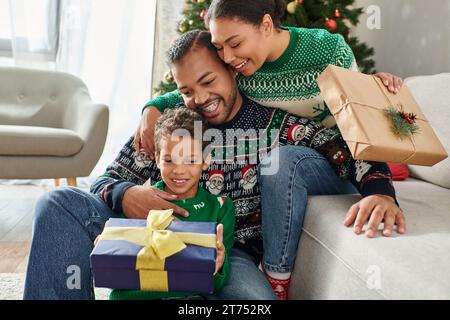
(109, 44)
(106, 43)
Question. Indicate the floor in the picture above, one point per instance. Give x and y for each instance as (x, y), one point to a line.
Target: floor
(17, 200)
(16, 215)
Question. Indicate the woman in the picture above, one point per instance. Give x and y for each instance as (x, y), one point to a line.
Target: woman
(277, 66)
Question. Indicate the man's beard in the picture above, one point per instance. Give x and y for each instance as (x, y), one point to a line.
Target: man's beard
(228, 108)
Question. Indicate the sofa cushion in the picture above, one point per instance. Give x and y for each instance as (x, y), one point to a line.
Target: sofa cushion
(433, 95)
(399, 171)
(38, 141)
(334, 263)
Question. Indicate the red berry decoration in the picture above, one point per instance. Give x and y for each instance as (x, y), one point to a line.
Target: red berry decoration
(299, 1)
(331, 25)
(409, 117)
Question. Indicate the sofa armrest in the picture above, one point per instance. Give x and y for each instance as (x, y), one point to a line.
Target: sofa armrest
(87, 118)
(432, 93)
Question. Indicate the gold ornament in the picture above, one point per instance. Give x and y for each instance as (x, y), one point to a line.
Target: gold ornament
(168, 77)
(291, 7)
(182, 28)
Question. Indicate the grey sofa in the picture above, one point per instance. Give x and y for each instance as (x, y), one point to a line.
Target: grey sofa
(334, 263)
(49, 126)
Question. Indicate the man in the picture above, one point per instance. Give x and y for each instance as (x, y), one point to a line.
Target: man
(68, 220)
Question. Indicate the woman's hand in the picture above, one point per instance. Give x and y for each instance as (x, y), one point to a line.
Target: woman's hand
(220, 248)
(145, 133)
(393, 83)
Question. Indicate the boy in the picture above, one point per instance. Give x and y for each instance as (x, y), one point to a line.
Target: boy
(181, 160)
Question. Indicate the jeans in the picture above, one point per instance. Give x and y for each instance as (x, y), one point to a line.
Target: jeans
(67, 221)
(246, 281)
(302, 172)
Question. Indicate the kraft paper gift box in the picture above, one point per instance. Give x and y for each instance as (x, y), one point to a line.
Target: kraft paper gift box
(130, 255)
(358, 103)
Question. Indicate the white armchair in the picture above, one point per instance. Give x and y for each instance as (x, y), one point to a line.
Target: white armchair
(49, 126)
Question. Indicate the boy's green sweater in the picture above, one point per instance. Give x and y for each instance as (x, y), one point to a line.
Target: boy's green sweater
(289, 83)
(203, 207)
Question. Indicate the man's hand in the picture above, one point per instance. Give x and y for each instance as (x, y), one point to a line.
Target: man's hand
(139, 200)
(145, 133)
(220, 248)
(374, 209)
(393, 83)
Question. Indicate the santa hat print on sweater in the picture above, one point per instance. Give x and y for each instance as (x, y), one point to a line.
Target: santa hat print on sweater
(215, 181)
(248, 177)
(296, 132)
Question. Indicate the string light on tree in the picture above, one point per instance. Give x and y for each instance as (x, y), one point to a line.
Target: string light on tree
(337, 14)
(291, 7)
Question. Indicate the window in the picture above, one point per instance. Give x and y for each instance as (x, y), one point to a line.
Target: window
(29, 28)
(5, 29)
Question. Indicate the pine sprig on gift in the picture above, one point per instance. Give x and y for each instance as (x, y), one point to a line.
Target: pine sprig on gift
(403, 124)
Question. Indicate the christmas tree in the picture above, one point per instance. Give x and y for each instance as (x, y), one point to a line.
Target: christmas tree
(337, 16)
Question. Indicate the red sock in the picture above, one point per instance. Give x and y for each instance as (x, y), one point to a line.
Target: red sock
(280, 287)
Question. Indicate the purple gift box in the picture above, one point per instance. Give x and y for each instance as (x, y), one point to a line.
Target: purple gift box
(114, 261)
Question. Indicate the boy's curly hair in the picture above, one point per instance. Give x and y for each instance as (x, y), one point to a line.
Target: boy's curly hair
(179, 118)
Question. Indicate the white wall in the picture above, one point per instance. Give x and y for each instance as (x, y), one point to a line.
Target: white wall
(414, 38)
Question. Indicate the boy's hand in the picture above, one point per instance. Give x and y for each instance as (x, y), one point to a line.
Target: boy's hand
(144, 136)
(374, 209)
(393, 83)
(139, 200)
(220, 248)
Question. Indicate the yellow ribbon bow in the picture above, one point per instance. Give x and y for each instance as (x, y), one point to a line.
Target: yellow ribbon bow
(158, 242)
